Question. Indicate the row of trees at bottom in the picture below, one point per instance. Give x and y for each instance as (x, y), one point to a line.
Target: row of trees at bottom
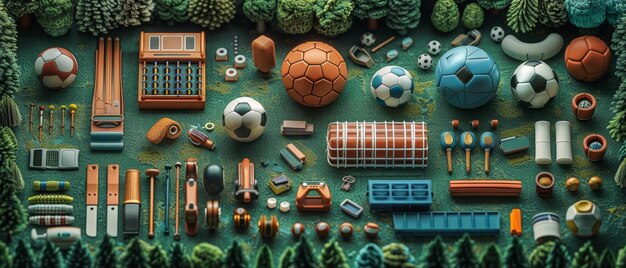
(139, 254)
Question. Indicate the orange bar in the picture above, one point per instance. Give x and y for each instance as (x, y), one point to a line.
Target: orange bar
(510, 188)
(516, 222)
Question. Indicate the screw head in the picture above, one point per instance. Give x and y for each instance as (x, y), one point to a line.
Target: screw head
(152, 172)
(168, 167)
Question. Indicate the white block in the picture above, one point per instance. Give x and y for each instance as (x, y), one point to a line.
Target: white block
(543, 154)
(563, 143)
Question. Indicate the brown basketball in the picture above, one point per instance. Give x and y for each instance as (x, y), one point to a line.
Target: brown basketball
(587, 58)
(314, 74)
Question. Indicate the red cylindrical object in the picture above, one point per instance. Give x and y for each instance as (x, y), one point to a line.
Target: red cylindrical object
(544, 190)
(582, 113)
(377, 144)
(595, 155)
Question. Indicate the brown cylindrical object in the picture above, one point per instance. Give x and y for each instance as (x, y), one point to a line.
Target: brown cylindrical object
(372, 24)
(584, 113)
(132, 192)
(264, 54)
(377, 144)
(544, 189)
(510, 188)
(595, 155)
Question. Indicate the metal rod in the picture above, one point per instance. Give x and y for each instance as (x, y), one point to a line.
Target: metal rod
(176, 233)
(168, 167)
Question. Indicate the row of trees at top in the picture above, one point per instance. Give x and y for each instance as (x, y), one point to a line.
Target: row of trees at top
(139, 254)
(617, 126)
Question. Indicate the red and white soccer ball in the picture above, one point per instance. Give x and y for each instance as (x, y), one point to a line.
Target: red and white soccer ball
(56, 68)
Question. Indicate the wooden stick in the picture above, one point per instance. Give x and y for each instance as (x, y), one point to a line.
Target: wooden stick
(384, 43)
(467, 161)
(32, 108)
(176, 234)
(449, 154)
(487, 161)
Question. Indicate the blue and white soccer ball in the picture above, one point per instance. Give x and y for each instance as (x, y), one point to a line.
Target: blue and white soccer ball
(467, 77)
(392, 86)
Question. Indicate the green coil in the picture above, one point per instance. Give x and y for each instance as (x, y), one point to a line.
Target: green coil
(50, 199)
(51, 186)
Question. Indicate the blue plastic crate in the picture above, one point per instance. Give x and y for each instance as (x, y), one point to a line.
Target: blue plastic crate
(400, 195)
(446, 223)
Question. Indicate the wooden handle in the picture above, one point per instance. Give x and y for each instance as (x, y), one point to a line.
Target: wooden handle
(467, 161)
(486, 161)
(449, 153)
(151, 223)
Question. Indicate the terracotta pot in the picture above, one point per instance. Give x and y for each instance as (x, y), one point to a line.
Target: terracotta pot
(595, 155)
(584, 113)
(544, 190)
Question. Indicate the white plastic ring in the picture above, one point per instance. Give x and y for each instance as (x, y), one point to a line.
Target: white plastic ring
(271, 203)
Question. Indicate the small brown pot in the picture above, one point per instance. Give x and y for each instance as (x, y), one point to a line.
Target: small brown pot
(595, 155)
(544, 190)
(584, 113)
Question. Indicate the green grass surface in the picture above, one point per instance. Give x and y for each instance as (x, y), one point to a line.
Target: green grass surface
(356, 103)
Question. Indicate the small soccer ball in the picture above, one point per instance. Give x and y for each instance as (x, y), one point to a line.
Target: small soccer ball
(368, 39)
(56, 68)
(497, 34)
(587, 58)
(392, 86)
(583, 218)
(596, 145)
(584, 103)
(534, 84)
(244, 119)
(424, 61)
(467, 77)
(433, 47)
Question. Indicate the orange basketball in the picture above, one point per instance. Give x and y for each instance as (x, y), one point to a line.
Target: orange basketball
(314, 74)
(587, 58)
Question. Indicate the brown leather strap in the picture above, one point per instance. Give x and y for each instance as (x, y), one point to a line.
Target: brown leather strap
(113, 184)
(92, 184)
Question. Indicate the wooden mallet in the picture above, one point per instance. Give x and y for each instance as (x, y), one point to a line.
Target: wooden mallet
(486, 142)
(448, 143)
(468, 142)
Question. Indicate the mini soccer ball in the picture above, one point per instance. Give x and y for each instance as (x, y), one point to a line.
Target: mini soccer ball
(244, 119)
(368, 39)
(587, 58)
(56, 68)
(433, 47)
(583, 218)
(424, 61)
(467, 77)
(534, 83)
(392, 86)
(497, 34)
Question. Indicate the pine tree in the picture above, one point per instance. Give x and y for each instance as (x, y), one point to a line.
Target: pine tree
(295, 16)
(607, 259)
(12, 214)
(333, 16)
(235, 257)
(211, 13)
(18, 8)
(514, 256)
(96, 16)
(157, 257)
(134, 256)
(134, 12)
(552, 13)
(50, 256)
(585, 257)
(372, 10)
(370, 256)
(620, 262)
(178, 258)
(397, 255)
(9, 73)
(207, 255)
(403, 15)
(172, 10)
(264, 258)
(586, 13)
(473, 16)
(445, 16)
(617, 125)
(303, 255)
(5, 258)
(10, 115)
(259, 11)
(105, 256)
(23, 256)
(435, 254)
(55, 16)
(620, 175)
(618, 41)
(78, 256)
(10, 176)
(539, 256)
(463, 255)
(523, 15)
(332, 256)
(558, 256)
(8, 38)
(491, 257)
(285, 258)
(494, 4)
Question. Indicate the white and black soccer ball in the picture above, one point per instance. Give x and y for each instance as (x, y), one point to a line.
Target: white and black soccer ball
(424, 61)
(433, 47)
(497, 34)
(368, 39)
(244, 119)
(392, 86)
(534, 84)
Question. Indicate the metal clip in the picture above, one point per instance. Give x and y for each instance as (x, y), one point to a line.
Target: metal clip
(347, 183)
